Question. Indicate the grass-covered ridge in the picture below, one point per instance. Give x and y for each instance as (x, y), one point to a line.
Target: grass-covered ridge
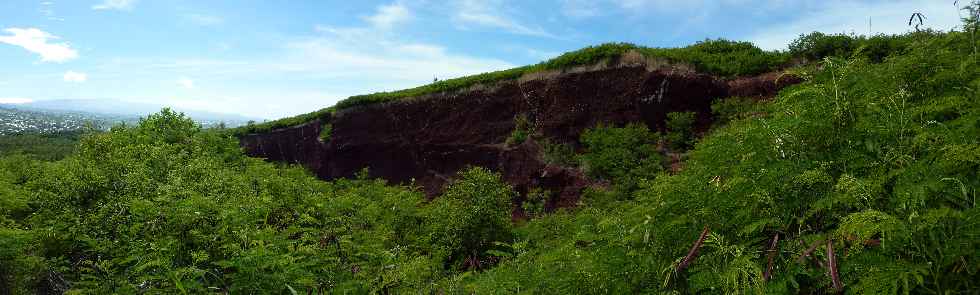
(720, 57)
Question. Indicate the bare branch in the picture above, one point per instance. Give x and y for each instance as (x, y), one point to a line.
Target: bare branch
(772, 255)
(693, 253)
(832, 267)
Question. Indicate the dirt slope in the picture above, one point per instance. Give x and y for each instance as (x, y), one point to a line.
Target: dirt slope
(427, 140)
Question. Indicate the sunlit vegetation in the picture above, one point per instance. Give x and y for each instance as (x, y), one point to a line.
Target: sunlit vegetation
(863, 178)
(44, 146)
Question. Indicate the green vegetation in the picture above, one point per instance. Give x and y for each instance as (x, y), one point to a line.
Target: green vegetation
(736, 108)
(471, 215)
(252, 127)
(874, 164)
(626, 156)
(325, 131)
(43, 146)
(555, 153)
(680, 129)
(523, 128)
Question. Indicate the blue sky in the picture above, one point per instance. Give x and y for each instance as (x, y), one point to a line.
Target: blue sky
(271, 59)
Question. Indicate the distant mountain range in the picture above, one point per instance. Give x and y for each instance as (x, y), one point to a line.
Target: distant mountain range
(72, 114)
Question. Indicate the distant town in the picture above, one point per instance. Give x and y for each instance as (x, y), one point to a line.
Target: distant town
(19, 121)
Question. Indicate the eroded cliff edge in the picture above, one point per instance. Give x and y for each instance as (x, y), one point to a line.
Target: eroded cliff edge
(428, 139)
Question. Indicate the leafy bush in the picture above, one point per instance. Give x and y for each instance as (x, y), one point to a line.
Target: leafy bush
(535, 201)
(624, 155)
(44, 146)
(470, 216)
(557, 153)
(680, 129)
(522, 130)
(735, 108)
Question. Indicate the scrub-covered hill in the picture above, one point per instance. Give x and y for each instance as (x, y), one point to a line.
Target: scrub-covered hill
(861, 179)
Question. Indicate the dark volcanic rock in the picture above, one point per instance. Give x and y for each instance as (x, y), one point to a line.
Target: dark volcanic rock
(427, 140)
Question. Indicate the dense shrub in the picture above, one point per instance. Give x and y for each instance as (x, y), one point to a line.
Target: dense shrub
(680, 129)
(43, 146)
(469, 217)
(624, 155)
(736, 108)
(555, 153)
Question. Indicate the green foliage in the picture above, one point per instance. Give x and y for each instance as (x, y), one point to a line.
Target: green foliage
(557, 153)
(680, 129)
(626, 155)
(534, 202)
(522, 130)
(470, 216)
(736, 108)
(325, 131)
(251, 127)
(44, 146)
(880, 157)
(816, 45)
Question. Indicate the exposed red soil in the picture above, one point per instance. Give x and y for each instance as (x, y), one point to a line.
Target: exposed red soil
(428, 140)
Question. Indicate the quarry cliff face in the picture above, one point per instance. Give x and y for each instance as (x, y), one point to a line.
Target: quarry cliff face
(426, 140)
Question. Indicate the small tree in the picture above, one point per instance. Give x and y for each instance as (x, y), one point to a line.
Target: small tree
(470, 216)
(680, 129)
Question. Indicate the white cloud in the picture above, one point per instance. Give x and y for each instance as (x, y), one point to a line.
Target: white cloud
(185, 82)
(204, 20)
(488, 14)
(373, 59)
(15, 100)
(75, 77)
(115, 4)
(389, 15)
(37, 41)
(889, 17)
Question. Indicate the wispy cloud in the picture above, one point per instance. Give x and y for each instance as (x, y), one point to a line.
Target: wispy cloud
(389, 15)
(75, 77)
(488, 14)
(37, 41)
(115, 5)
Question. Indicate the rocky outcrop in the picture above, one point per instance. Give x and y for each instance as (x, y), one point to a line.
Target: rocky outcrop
(428, 139)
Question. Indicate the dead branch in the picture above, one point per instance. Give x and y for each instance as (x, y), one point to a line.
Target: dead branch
(693, 253)
(809, 250)
(832, 267)
(772, 256)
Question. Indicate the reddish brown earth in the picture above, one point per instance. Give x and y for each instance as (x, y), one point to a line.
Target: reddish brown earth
(427, 140)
